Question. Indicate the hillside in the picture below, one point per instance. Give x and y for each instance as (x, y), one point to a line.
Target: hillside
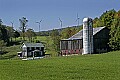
(47, 32)
(82, 67)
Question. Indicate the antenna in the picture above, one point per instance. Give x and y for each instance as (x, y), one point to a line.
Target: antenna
(39, 22)
(78, 19)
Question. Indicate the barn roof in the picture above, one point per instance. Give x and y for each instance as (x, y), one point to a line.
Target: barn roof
(79, 35)
(33, 45)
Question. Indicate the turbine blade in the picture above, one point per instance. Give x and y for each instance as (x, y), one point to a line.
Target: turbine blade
(40, 20)
(60, 20)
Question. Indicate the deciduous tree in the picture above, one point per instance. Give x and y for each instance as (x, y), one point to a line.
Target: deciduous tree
(23, 22)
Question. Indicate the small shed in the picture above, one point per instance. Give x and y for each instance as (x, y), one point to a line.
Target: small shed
(32, 50)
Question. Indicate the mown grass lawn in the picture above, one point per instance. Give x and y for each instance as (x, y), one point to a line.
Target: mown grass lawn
(82, 67)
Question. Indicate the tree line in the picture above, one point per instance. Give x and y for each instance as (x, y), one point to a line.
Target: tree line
(8, 33)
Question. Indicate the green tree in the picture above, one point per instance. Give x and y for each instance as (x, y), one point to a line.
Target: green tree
(30, 34)
(107, 17)
(3, 33)
(68, 32)
(16, 34)
(10, 32)
(114, 42)
(2, 44)
(96, 22)
(56, 40)
(23, 22)
(0, 22)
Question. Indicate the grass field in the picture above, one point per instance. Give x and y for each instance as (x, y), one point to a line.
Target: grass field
(82, 67)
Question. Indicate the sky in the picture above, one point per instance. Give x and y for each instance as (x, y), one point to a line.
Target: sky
(49, 11)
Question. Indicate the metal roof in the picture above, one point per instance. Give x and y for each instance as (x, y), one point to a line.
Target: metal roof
(79, 35)
(33, 45)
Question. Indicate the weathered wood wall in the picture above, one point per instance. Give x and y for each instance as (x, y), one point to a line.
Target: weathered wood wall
(101, 40)
(71, 46)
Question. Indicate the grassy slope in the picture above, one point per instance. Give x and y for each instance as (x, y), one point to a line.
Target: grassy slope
(48, 44)
(82, 67)
(11, 52)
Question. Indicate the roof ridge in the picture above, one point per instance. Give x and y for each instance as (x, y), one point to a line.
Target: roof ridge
(100, 28)
(79, 35)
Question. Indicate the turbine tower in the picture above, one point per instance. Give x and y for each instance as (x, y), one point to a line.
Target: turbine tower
(77, 20)
(60, 24)
(12, 24)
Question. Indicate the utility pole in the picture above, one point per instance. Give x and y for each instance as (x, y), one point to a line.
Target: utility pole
(39, 23)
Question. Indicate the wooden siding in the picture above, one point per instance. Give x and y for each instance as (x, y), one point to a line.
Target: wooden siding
(101, 40)
(71, 46)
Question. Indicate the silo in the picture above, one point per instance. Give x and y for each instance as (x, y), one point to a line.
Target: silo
(87, 36)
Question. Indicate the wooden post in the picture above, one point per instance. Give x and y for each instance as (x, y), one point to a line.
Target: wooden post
(33, 54)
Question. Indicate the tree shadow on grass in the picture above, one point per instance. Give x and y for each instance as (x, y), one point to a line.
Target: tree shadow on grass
(9, 57)
(14, 43)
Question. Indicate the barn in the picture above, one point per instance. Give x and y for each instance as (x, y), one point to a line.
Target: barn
(74, 44)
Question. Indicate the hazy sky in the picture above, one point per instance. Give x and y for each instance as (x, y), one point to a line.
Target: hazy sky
(50, 10)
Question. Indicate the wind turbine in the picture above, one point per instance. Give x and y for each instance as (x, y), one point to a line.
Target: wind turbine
(77, 19)
(39, 22)
(60, 23)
